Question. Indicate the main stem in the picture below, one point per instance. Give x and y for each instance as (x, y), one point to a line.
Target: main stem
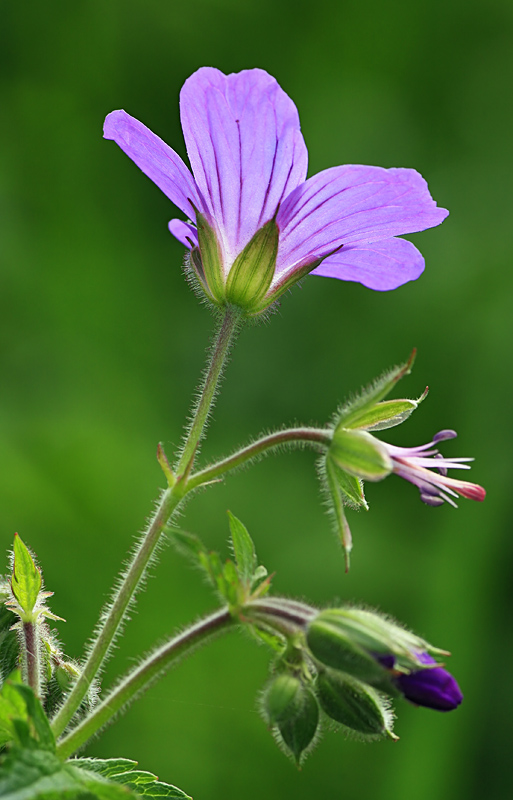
(114, 614)
(153, 666)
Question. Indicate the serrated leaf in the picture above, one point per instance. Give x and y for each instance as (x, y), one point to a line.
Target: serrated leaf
(243, 548)
(351, 413)
(123, 771)
(26, 577)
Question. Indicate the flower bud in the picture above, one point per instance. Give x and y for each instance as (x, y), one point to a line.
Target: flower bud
(332, 646)
(354, 704)
(282, 698)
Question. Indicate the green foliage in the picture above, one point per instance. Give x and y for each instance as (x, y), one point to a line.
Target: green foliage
(22, 718)
(26, 578)
(28, 774)
(235, 582)
(243, 548)
(30, 769)
(123, 771)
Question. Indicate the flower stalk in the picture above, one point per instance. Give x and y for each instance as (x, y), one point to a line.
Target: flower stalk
(290, 437)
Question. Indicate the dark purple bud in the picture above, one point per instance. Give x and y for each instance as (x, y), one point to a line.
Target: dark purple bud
(443, 435)
(433, 688)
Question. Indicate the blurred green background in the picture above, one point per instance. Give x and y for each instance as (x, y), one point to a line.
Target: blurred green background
(102, 344)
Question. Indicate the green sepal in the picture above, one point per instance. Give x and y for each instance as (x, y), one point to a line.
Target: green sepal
(26, 580)
(207, 261)
(298, 731)
(374, 633)
(332, 646)
(244, 550)
(360, 454)
(388, 414)
(350, 414)
(252, 271)
(354, 704)
(350, 487)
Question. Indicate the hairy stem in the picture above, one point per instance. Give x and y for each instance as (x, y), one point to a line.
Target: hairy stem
(113, 616)
(219, 353)
(290, 437)
(141, 678)
(31, 660)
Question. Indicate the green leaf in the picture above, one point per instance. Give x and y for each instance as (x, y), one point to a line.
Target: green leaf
(122, 771)
(39, 775)
(354, 410)
(12, 707)
(22, 718)
(26, 577)
(244, 550)
(360, 454)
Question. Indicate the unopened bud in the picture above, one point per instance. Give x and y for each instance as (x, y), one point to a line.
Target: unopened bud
(332, 646)
(282, 698)
(354, 704)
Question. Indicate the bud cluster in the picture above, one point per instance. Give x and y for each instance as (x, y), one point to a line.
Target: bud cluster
(343, 667)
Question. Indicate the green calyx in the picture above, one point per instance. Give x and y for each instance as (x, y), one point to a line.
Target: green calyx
(354, 704)
(252, 271)
(334, 647)
(360, 454)
(250, 275)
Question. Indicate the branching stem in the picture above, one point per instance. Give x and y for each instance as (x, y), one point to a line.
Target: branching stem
(290, 437)
(113, 616)
(143, 676)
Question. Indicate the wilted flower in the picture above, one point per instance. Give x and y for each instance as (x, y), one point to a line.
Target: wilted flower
(254, 225)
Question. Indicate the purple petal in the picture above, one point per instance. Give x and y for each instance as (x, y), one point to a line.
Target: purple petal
(381, 266)
(433, 688)
(158, 161)
(186, 233)
(352, 205)
(245, 148)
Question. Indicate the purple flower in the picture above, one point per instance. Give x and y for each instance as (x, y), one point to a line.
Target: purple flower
(427, 469)
(254, 225)
(433, 687)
